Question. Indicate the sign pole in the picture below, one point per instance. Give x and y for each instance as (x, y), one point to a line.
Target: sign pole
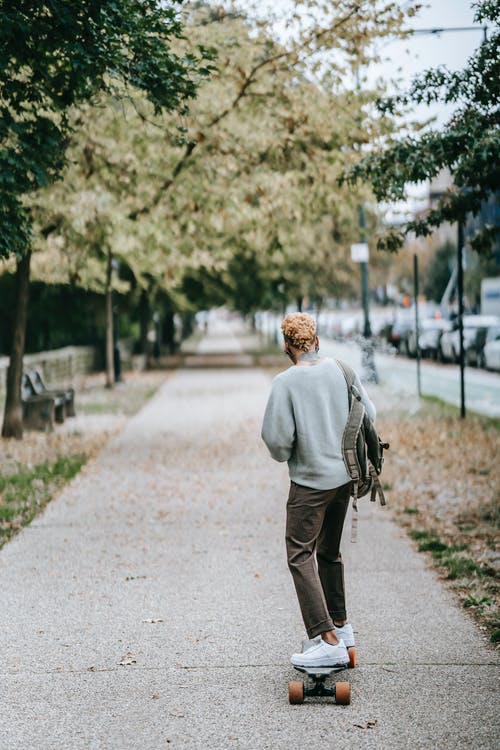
(460, 295)
(360, 254)
(417, 322)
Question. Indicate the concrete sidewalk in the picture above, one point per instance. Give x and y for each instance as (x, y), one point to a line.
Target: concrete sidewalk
(150, 606)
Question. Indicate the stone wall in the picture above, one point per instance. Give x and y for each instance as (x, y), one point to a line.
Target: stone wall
(59, 366)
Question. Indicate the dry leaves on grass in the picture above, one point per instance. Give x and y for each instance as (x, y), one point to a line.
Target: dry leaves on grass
(444, 467)
(40, 447)
(100, 413)
(442, 476)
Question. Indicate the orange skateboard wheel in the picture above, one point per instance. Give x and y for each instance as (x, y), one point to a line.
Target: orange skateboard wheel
(342, 693)
(296, 692)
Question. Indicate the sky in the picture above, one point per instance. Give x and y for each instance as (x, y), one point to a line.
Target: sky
(420, 52)
(417, 53)
(406, 58)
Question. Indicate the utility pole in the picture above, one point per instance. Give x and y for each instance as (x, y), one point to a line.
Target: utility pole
(360, 254)
(460, 295)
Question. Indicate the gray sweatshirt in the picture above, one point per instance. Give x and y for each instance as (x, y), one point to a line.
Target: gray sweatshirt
(304, 420)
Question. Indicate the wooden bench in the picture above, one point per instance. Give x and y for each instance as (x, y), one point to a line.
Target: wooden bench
(67, 394)
(39, 412)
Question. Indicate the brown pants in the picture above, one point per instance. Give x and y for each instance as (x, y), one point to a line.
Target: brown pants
(314, 523)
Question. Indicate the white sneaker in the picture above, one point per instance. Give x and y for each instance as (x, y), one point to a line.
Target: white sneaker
(322, 654)
(308, 643)
(346, 634)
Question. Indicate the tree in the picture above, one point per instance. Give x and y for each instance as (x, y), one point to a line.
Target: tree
(55, 55)
(437, 273)
(468, 145)
(237, 200)
(257, 174)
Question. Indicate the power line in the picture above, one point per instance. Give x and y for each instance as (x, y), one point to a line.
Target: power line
(438, 30)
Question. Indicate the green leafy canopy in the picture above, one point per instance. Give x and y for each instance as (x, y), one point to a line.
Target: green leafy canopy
(55, 54)
(246, 202)
(468, 145)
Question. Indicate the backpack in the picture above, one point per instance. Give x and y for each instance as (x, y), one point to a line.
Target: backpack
(362, 449)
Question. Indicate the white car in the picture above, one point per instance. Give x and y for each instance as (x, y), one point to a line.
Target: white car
(490, 356)
(449, 345)
(430, 331)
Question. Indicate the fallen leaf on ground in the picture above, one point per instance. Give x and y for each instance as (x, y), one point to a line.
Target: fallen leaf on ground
(367, 724)
(128, 659)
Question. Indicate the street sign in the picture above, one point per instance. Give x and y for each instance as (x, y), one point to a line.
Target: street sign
(360, 252)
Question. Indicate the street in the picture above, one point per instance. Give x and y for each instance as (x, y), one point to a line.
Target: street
(482, 389)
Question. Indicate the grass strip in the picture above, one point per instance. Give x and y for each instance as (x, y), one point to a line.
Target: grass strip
(449, 556)
(25, 493)
(450, 410)
(459, 567)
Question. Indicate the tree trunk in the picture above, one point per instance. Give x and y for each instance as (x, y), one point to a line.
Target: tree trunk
(144, 318)
(168, 331)
(110, 369)
(13, 415)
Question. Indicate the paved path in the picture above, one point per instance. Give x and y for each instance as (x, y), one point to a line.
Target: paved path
(150, 606)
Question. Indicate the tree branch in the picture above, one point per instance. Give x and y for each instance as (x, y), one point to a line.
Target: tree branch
(249, 80)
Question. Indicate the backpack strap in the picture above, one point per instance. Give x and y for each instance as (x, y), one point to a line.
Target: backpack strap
(356, 416)
(355, 420)
(376, 487)
(348, 375)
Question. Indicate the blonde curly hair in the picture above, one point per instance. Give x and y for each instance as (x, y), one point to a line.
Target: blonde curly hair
(299, 329)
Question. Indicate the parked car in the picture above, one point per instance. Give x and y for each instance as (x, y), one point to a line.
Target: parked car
(474, 351)
(449, 345)
(400, 329)
(490, 356)
(430, 331)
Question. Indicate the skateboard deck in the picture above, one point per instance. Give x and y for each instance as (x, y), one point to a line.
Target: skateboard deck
(316, 687)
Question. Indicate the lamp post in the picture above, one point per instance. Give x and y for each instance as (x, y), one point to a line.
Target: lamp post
(460, 246)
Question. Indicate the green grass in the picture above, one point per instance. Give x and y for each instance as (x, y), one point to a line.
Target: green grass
(445, 409)
(471, 601)
(449, 556)
(24, 494)
(495, 636)
(467, 575)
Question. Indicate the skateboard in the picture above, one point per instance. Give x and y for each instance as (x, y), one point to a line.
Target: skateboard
(341, 691)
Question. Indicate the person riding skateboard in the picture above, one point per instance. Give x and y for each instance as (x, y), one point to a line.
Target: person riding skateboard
(303, 423)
